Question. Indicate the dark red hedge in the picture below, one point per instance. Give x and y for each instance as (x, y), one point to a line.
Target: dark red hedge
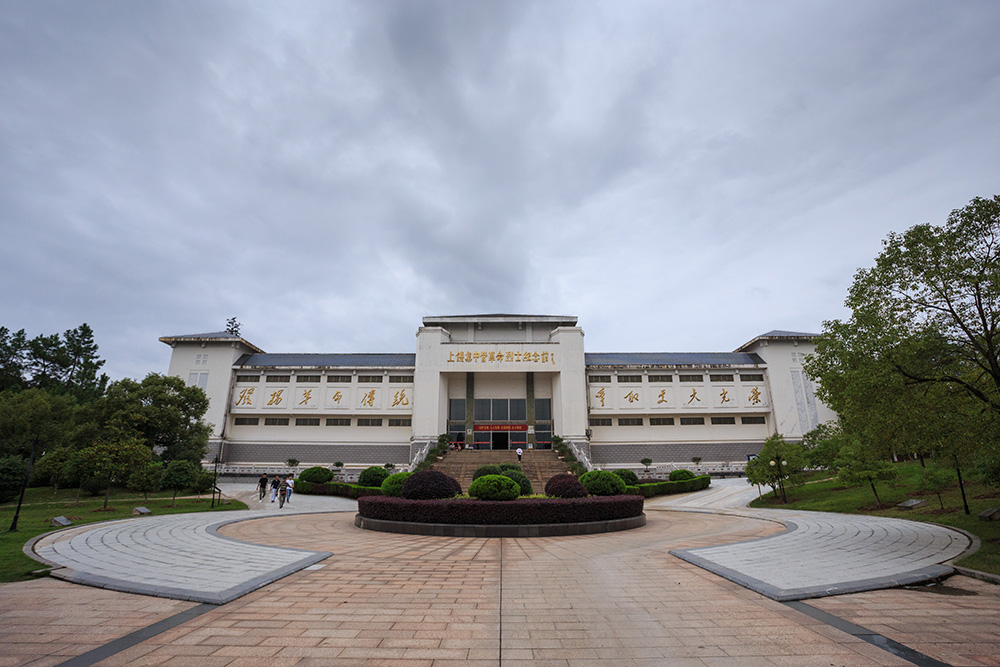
(501, 512)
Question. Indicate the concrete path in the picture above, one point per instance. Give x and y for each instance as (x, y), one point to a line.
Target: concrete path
(181, 556)
(819, 553)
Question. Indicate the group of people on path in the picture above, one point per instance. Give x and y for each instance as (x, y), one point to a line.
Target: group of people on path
(281, 488)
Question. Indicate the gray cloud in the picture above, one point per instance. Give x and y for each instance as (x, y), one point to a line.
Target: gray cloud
(680, 176)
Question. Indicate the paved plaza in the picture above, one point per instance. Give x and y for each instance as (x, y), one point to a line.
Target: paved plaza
(320, 591)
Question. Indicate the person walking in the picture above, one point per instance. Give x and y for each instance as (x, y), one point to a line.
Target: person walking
(262, 486)
(519, 452)
(282, 493)
(290, 482)
(274, 488)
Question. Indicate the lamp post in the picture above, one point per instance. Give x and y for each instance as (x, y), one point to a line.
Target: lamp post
(781, 484)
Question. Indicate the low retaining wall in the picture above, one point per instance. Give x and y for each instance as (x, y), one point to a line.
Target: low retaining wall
(528, 530)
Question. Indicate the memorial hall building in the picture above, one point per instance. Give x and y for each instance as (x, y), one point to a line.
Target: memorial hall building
(499, 382)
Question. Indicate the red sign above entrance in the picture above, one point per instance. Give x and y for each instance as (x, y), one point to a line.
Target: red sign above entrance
(500, 427)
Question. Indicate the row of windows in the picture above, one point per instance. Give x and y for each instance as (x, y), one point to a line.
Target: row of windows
(500, 409)
(315, 421)
(345, 379)
(637, 379)
(669, 421)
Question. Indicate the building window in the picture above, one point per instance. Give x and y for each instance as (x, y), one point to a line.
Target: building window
(481, 410)
(346, 379)
(456, 409)
(629, 379)
(401, 378)
(599, 378)
(400, 422)
(543, 409)
(247, 421)
(720, 378)
(600, 421)
(519, 409)
(661, 421)
(690, 378)
(751, 377)
(723, 420)
(307, 421)
(275, 421)
(307, 378)
(661, 378)
(752, 420)
(630, 421)
(369, 421)
(201, 360)
(198, 380)
(692, 421)
(338, 421)
(248, 378)
(370, 379)
(279, 378)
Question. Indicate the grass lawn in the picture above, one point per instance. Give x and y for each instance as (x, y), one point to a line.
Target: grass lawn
(831, 496)
(40, 505)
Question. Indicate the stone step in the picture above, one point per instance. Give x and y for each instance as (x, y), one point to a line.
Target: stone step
(539, 465)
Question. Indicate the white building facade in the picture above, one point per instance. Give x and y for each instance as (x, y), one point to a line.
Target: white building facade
(499, 382)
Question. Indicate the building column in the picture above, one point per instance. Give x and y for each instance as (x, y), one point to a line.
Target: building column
(529, 390)
(470, 412)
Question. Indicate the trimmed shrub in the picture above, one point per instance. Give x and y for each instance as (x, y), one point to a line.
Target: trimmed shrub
(629, 477)
(316, 475)
(521, 479)
(565, 485)
(393, 484)
(494, 487)
(373, 476)
(661, 488)
(304, 487)
(509, 512)
(430, 485)
(681, 475)
(603, 483)
(509, 466)
(488, 469)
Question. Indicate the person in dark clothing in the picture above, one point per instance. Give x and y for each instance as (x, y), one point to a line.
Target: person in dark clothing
(262, 486)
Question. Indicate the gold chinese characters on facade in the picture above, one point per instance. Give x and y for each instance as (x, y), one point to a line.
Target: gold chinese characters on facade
(495, 357)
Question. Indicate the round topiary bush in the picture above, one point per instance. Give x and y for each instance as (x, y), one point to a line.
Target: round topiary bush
(509, 466)
(629, 477)
(393, 484)
(373, 476)
(488, 469)
(565, 485)
(316, 475)
(602, 483)
(681, 475)
(430, 485)
(521, 479)
(494, 487)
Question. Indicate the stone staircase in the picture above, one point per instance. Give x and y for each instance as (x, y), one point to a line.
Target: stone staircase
(538, 464)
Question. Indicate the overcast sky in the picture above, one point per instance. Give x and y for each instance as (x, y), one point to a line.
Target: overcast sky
(680, 176)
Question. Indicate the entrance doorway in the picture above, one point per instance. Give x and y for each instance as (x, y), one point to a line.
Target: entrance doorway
(501, 440)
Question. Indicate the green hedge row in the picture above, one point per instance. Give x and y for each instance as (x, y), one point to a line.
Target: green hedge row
(341, 489)
(665, 488)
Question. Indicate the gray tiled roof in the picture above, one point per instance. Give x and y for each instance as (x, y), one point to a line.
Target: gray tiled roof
(671, 359)
(296, 360)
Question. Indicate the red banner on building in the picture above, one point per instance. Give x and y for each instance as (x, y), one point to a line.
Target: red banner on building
(500, 427)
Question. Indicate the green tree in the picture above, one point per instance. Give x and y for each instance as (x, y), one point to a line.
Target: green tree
(12, 470)
(114, 462)
(146, 480)
(179, 475)
(203, 481)
(13, 359)
(823, 445)
(935, 480)
(52, 469)
(34, 415)
(67, 363)
(163, 412)
(858, 465)
(779, 461)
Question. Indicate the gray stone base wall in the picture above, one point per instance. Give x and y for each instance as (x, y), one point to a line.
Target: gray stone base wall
(315, 453)
(674, 452)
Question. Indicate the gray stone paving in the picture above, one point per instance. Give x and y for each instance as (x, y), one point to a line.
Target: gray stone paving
(819, 553)
(180, 556)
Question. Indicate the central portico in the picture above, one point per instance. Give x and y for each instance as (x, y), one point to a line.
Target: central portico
(500, 381)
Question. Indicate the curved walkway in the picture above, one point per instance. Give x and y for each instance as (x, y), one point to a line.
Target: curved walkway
(819, 553)
(184, 557)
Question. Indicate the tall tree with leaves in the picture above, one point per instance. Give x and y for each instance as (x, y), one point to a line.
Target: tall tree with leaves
(163, 412)
(115, 462)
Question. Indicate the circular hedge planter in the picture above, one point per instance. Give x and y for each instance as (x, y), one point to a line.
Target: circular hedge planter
(525, 517)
